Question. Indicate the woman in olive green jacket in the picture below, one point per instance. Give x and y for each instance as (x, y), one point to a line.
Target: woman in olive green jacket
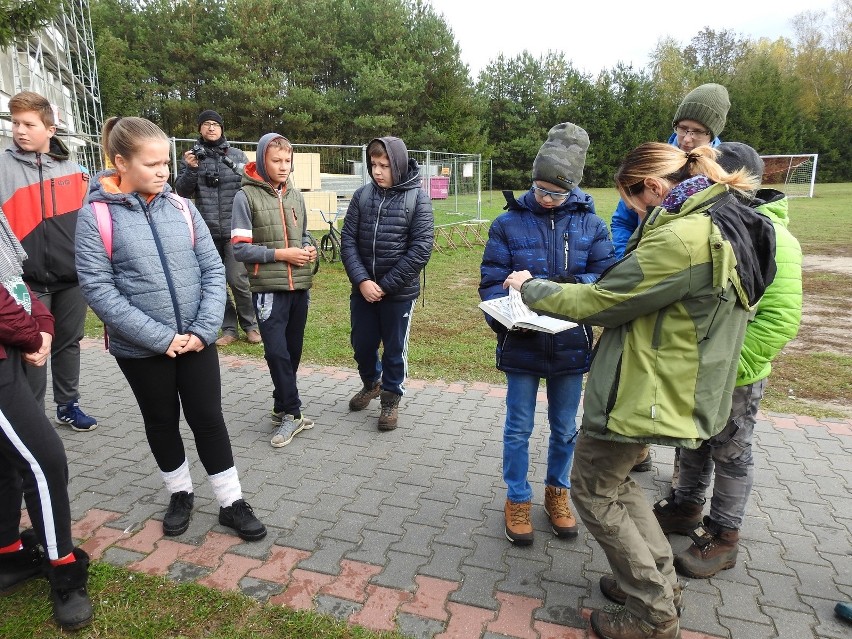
(674, 310)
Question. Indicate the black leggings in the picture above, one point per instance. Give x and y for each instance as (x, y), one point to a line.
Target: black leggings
(161, 384)
(32, 463)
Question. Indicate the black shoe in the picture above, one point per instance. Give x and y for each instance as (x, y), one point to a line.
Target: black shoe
(72, 608)
(17, 568)
(240, 517)
(179, 513)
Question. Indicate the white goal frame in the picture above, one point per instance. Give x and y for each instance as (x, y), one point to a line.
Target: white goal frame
(795, 173)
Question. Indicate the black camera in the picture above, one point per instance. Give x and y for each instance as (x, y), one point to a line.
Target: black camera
(211, 179)
(199, 151)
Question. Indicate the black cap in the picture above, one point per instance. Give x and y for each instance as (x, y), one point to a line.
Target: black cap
(210, 114)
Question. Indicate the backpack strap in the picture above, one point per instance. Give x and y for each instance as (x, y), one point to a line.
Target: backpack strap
(104, 221)
(184, 208)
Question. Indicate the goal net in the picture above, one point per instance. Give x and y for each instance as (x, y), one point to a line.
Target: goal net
(793, 174)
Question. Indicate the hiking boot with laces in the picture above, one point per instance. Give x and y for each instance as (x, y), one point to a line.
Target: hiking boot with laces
(714, 549)
(72, 608)
(616, 622)
(363, 397)
(610, 590)
(519, 528)
(678, 518)
(72, 415)
(562, 520)
(240, 517)
(390, 410)
(288, 428)
(18, 567)
(177, 517)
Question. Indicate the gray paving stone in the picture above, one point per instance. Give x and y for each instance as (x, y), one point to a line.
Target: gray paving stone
(523, 576)
(121, 557)
(373, 547)
(445, 562)
(400, 570)
(328, 555)
(561, 604)
(791, 624)
(477, 588)
(181, 572)
(335, 607)
(306, 533)
(418, 627)
(815, 581)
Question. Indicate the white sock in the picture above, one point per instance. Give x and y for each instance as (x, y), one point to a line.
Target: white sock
(178, 480)
(226, 487)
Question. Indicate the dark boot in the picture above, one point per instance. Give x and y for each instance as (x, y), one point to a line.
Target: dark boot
(680, 518)
(363, 397)
(390, 410)
(17, 568)
(616, 622)
(714, 549)
(72, 608)
(610, 589)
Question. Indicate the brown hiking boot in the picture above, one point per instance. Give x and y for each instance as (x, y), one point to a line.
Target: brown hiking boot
(562, 520)
(610, 590)
(519, 528)
(390, 410)
(363, 397)
(714, 549)
(678, 518)
(616, 622)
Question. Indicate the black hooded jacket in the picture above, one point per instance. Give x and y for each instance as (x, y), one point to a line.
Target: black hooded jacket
(378, 243)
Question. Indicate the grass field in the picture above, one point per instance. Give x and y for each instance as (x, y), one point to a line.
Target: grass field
(450, 341)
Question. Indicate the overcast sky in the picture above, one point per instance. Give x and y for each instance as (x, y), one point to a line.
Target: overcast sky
(597, 34)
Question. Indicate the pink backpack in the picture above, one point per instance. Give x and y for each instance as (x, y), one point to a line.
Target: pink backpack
(104, 220)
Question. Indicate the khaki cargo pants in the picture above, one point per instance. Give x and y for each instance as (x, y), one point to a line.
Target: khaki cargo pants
(616, 511)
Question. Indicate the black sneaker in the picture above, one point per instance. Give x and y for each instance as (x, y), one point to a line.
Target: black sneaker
(177, 516)
(240, 517)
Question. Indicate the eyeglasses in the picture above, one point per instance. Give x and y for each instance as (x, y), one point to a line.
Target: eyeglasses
(210, 124)
(697, 133)
(555, 197)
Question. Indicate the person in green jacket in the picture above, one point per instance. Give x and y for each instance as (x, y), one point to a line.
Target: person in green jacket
(674, 312)
(776, 322)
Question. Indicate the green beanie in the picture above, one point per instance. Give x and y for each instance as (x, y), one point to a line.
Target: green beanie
(562, 157)
(707, 104)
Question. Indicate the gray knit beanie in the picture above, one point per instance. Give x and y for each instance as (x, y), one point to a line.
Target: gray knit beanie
(561, 158)
(734, 156)
(707, 104)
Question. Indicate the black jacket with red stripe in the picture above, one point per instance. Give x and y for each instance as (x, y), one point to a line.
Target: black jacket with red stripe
(41, 193)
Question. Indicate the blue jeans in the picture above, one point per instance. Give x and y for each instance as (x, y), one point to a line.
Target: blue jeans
(563, 398)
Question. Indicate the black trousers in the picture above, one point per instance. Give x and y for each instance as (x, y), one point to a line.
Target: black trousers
(161, 385)
(32, 464)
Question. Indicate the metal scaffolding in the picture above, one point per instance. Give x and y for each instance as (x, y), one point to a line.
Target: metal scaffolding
(59, 63)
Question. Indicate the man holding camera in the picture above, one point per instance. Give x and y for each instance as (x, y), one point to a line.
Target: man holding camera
(211, 173)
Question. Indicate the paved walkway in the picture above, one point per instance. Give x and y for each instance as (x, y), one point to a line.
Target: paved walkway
(404, 530)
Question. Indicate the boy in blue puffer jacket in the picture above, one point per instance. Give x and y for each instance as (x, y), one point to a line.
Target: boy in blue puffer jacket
(553, 232)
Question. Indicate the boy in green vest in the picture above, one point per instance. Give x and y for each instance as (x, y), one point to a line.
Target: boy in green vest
(269, 234)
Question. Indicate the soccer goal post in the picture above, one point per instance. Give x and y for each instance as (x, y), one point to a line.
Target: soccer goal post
(795, 175)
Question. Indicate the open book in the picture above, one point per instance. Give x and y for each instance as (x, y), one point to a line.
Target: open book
(511, 312)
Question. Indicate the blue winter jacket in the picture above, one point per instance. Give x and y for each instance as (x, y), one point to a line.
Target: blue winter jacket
(159, 282)
(624, 220)
(566, 244)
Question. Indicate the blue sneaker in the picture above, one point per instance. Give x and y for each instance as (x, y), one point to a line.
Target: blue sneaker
(72, 414)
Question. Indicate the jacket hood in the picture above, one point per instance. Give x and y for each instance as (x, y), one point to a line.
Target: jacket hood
(398, 156)
(104, 188)
(774, 204)
(57, 151)
(260, 163)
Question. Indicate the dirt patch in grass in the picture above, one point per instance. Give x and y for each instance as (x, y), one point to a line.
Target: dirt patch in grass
(814, 369)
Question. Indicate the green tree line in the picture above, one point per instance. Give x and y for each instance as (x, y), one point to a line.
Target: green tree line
(344, 71)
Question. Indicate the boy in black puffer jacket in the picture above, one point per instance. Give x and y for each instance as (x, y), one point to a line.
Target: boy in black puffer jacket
(386, 241)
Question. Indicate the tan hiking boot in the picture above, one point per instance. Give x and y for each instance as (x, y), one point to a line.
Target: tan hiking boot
(363, 397)
(610, 589)
(680, 518)
(562, 520)
(519, 528)
(714, 549)
(616, 622)
(390, 410)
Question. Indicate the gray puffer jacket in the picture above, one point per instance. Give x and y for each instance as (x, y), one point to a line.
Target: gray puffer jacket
(213, 184)
(159, 282)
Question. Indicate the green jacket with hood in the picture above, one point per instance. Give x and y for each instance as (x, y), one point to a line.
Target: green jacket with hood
(675, 312)
(779, 311)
